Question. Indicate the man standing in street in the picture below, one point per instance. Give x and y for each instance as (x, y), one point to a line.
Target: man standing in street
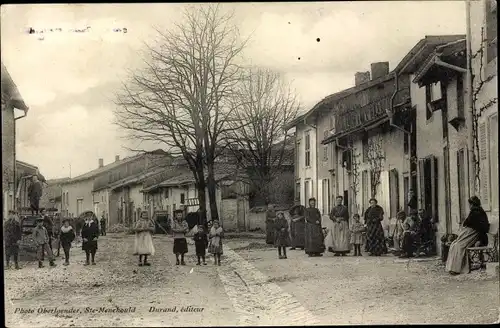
(12, 235)
(103, 225)
(35, 193)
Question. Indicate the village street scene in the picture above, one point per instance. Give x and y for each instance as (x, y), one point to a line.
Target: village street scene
(249, 164)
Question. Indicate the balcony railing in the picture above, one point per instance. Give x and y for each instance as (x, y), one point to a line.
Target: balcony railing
(359, 116)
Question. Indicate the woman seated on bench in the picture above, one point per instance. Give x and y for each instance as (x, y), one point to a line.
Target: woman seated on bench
(473, 233)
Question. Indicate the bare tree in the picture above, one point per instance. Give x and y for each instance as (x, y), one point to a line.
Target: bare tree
(478, 108)
(376, 160)
(265, 104)
(180, 99)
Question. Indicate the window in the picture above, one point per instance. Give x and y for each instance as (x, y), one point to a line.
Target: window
(491, 30)
(428, 173)
(332, 123)
(297, 191)
(346, 159)
(325, 153)
(173, 207)
(166, 192)
(79, 206)
(182, 198)
(394, 192)
(462, 196)
(308, 149)
(297, 156)
(460, 96)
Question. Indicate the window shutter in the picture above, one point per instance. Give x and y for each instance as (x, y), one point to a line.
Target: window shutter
(484, 174)
(421, 182)
(434, 181)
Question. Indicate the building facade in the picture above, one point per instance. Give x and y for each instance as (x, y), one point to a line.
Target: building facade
(12, 102)
(90, 191)
(483, 26)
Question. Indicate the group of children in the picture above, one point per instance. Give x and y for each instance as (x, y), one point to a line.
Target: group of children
(143, 244)
(282, 234)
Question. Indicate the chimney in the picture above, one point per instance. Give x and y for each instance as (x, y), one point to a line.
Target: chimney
(101, 162)
(117, 158)
(361, 77)
(379, 69)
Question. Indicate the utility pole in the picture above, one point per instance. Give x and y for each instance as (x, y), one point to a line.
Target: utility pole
(469, 102)
(70, 170)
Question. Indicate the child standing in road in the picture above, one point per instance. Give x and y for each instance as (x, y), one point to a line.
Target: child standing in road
(41, 238)
(357, 236)
(180, 228)
(201, 243)
(66, 237)
(281, 234)
(143, 244)
(215, 247)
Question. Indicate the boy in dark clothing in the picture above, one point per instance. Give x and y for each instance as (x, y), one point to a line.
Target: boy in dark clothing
(201, 244)
(41, 238)
(66, 236)
(12, 235)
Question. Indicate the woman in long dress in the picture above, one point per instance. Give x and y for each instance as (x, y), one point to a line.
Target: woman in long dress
(314, 243)
(143, 244)
(473, 231)
(270, 217)
(340, 234)
(297, 227)
(375, 239)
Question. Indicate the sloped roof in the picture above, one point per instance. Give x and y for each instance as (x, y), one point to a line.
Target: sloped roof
(446, 50)
(137, 178)
(106, 168)
(10, 89)
(407, 65)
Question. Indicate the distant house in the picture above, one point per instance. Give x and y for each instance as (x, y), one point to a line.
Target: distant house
(90, 191)
(11, 100)
(52, 194)
(179, 192)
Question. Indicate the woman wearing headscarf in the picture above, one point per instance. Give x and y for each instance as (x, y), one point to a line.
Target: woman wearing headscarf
(314, 240)
(375, 239)
(473, 232)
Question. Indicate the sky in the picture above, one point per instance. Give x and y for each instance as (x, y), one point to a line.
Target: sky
(69, 79)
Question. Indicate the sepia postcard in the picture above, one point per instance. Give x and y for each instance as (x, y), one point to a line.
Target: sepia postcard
(250, 164)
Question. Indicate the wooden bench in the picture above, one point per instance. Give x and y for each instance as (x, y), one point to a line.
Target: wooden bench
(479, 256)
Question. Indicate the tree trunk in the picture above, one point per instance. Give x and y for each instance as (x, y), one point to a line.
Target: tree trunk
(212, 194)
(202, 196)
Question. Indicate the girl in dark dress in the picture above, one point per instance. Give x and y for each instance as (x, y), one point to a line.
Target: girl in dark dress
(281, 232)
(66, 237)
(201, 244)
(297, 227)
(90, 233)
(375, 239)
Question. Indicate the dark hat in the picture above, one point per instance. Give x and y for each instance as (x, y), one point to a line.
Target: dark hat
(312, 198)
(373, 199)
(475, 201)
(179, 211)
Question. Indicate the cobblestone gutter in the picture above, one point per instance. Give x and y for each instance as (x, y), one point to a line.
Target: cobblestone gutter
(258, 301)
